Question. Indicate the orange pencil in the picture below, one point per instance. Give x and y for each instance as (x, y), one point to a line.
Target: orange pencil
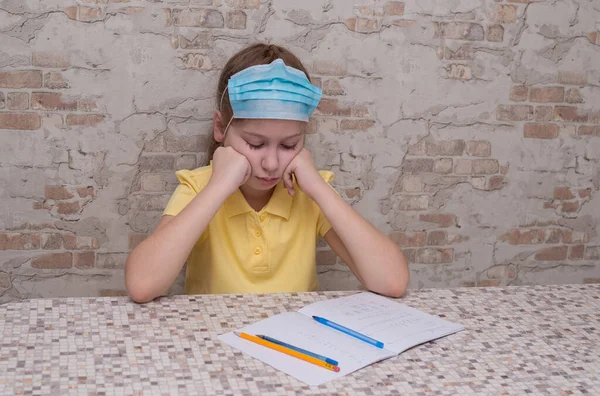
(288, 351)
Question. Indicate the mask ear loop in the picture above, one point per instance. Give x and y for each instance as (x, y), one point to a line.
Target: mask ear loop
(221, 109)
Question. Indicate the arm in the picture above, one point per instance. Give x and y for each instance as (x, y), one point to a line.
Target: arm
(375, 260)
(154, 264)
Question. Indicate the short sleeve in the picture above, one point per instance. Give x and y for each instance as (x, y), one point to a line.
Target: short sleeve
(190, 184)
(323, 225)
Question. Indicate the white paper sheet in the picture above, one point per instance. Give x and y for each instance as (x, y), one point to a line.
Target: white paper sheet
(398, 326)
(304, 332)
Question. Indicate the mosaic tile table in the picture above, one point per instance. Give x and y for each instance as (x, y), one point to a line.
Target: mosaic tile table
(518, 340)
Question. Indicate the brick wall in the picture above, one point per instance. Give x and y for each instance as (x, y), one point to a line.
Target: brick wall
(469, 133)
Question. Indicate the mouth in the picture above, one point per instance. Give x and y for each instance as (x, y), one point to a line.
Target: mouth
(268, 180)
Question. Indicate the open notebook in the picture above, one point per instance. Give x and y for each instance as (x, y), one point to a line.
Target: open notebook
(398, 326)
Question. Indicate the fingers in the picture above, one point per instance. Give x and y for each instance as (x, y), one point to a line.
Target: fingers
(288, 182)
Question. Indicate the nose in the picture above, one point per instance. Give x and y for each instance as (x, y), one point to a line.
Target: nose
(270, 162)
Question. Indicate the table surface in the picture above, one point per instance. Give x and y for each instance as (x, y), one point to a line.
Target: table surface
(517, 340)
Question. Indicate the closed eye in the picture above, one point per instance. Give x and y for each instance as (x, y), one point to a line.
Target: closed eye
(286, 147)
(254, 146)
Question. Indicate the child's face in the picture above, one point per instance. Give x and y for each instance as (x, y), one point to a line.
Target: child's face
(269, 146)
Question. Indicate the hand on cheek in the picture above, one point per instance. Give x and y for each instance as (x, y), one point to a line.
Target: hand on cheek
(303, 169)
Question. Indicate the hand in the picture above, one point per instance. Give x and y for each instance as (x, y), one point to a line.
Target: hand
(230, 169)
(307, 176)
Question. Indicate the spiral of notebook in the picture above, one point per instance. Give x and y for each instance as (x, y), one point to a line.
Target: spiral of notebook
(354, 331)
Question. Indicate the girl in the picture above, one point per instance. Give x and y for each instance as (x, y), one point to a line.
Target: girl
(248, 222)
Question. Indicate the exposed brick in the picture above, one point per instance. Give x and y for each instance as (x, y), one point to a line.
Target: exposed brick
(352, 192)
(514, 112)
(570, 114)
(404, 22)
(84, 260)
(525, 237)
(576, 252)
(479, 148)
(57, 193)
(71, 12)
(540, 131)
(459, 71)
(495, 33)
(445, 147)
(443, 165)
(589, 130)
(85, 192)
(573, 96)
(418, 165)
(464, 52)
(592, 253)
(50, 60)
(502, 272)
(589, 281)
(89, 105)
(153, 163)
(131, 10)
(55, 80)
(569, 207)
(364, 25)
(17, 101)
(18, 241)
(52, 101)
(111, 260)
(459, 30)
(593, 37)
(68, 207)
(556, 236)
(153, 182)
(395, 8)
(552, 254)
(443, 220)
(359, 111)
(543, 113)
(362, 125)
(87, 14)
(585, 193)
(84, 120)
(51, 241)
(196, 61)
(495, 182)
(327, 68)
(73, 242)
(505, 14)
(563, 193)
(546, 94)
(518, 93)
(246, 4)
(20, 121)
(21, 79)
(572, 78)
(412, 183)
(332, 87)
(434, 256)
(53, 261)
(463, 167)
(203, 17)
(236, 20)
(408, 238)
(332, 108)
(436, 238)
(413, 202)
(202, 40)
(488, 283)
(136, 239)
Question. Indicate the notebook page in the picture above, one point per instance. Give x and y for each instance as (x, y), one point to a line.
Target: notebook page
(398, 326)
(301, 331)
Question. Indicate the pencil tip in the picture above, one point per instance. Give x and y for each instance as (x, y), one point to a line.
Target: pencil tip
(237, 333)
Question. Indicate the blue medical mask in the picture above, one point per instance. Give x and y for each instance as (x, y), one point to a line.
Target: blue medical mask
(273, 91)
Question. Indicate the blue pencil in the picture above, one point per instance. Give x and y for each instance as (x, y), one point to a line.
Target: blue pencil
(295, 348)
(348, 331)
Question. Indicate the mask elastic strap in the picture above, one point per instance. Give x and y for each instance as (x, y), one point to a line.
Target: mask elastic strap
(221, 110)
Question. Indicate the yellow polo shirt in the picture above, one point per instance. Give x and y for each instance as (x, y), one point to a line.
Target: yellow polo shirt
(244, 251)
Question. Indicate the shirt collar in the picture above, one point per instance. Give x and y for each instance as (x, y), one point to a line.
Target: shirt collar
(280, 203)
